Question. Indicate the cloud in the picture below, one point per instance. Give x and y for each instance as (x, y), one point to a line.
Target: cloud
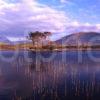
(63, 1)
(19, 18)
(82, 27)
(16, 38)
(69, 2)
(66, 1)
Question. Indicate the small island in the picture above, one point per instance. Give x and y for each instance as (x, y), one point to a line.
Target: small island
(40, 41)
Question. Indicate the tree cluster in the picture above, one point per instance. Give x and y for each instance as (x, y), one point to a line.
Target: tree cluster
(38, 37)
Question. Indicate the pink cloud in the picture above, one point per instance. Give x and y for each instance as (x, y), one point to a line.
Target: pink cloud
(17, 19)
(28, 16)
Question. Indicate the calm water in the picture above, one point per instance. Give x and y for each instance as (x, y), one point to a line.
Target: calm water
(50, 76)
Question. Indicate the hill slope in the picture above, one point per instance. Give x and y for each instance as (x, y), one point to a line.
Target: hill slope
(92, 38)
(4, 40)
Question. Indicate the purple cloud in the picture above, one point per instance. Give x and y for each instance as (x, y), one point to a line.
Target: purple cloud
(17, 19)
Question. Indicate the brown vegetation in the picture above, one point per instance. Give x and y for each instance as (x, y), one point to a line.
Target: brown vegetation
(29, 46)
(41, 41)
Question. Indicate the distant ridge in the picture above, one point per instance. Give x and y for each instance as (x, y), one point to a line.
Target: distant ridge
(92, 38)
(4, 40)
(21, 42)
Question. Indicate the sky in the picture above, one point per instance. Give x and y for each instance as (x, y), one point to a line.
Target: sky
(61, 17)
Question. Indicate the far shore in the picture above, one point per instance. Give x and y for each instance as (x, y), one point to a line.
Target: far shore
(30, 47)
(59, 50)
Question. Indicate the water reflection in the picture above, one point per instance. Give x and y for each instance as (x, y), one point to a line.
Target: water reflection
(52, 79)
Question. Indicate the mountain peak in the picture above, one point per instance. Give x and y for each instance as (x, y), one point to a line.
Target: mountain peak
(80, 37)
(4, 40)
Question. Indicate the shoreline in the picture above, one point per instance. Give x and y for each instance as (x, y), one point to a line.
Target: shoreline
(59, 50)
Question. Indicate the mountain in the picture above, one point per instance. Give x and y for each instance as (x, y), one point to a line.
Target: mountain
(22, 42)
(92, 38)
(4, 40)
